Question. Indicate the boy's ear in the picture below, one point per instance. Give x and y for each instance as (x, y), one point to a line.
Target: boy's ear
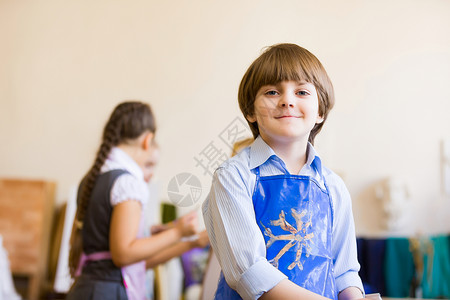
(319, 119)
(251, 119)
(147, 140)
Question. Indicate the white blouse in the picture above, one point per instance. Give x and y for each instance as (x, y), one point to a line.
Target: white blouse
(129, 186)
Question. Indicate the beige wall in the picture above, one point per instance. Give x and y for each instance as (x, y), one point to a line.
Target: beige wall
(66, 64)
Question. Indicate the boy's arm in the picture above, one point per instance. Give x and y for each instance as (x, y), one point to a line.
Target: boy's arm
(350, 293)
(346, 264)
(286, 289)
(235, 237)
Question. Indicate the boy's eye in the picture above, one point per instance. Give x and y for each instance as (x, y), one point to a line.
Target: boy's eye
(303, 93)
(271, 93)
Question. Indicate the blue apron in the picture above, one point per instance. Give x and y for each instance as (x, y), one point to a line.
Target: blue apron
(295, 216)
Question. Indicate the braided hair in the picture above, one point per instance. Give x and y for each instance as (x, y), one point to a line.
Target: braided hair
(127, 122)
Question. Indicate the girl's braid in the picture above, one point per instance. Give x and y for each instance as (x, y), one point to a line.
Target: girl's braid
(111, 137)
(113, 134)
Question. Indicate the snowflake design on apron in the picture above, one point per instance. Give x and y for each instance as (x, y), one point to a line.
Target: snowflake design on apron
(297, 237)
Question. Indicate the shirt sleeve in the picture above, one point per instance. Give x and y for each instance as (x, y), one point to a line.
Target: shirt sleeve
(346, 265)
(235, 236)
(128, 187)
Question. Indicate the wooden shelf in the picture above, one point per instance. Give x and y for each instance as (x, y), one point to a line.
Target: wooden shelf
(26, 213)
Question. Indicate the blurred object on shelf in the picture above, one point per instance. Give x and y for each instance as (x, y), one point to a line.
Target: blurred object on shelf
(26, 213)
(7, 289)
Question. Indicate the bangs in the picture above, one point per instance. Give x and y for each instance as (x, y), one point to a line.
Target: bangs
(285, 62)
(284, 65)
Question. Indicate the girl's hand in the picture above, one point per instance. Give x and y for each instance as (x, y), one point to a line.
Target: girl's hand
(188, 224)
(202, 241)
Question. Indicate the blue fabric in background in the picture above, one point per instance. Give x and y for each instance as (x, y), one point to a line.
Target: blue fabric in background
(399, 270)
(436, 283)
(387, 266)
(371, 255)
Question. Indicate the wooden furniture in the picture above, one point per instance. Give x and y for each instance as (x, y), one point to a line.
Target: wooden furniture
(26, 213)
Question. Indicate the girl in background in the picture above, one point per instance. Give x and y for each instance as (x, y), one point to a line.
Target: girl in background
(108, 251)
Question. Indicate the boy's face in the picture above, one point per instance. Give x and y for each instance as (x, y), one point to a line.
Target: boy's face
(286, 111)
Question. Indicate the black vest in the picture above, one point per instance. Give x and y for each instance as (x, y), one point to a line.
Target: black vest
(96, 226)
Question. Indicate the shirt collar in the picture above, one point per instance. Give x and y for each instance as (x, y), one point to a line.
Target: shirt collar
(260, 152)
(119, 159)
(313, 159)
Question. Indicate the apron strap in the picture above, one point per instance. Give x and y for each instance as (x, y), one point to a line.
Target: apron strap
(257, 172)
(84, 259)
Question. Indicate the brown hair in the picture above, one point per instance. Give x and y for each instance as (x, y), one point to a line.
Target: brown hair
(241, 144)
(127, 122)
(285, 62)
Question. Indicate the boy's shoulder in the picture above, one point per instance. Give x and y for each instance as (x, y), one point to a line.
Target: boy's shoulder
(337, 188)
(240, 162)
(333, 179)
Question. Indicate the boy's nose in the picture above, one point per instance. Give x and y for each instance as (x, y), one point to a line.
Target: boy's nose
(286, 101)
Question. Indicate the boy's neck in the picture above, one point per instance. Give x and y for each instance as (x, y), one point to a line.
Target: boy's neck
(292, 153)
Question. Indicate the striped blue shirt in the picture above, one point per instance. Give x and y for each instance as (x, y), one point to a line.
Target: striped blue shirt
(236, 238)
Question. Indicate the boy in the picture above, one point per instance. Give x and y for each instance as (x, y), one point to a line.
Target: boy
(280, 223)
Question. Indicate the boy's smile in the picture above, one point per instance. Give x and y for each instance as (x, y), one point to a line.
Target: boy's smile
(286, 111)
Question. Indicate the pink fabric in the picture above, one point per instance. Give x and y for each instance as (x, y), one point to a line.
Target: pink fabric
(134, 280)
(91, 257)
(133, 275)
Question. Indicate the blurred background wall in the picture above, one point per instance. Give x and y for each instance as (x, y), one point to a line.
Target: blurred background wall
(66, 64)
